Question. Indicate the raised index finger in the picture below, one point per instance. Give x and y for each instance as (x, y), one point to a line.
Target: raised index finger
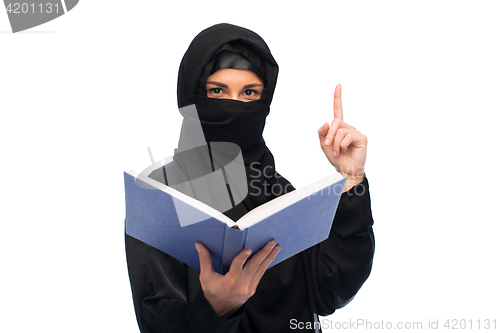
(337, 103)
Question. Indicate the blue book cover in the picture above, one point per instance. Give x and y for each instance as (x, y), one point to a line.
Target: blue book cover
(156, 214)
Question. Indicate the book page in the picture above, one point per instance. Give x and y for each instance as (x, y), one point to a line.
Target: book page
(277, 204)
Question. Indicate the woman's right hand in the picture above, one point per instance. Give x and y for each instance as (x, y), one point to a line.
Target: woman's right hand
(227, 293)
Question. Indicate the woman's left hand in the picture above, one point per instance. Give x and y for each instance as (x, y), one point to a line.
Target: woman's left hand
(343, 145)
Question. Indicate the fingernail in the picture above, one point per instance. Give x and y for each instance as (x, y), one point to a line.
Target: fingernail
(278, 248)
(197, 247)
(327, 142)
(272, 243)
(335, 153)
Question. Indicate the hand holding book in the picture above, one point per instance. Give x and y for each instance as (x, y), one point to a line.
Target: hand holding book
(227, 293)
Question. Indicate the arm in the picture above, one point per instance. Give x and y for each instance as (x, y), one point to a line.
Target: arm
(342, 263)
(159, 291)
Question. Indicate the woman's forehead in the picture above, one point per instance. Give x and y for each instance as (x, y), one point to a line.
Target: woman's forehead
(234, 75)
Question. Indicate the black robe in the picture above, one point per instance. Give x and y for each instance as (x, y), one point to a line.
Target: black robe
(168, 298)
(166, 293)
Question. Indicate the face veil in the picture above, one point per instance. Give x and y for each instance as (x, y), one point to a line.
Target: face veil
(232, 121)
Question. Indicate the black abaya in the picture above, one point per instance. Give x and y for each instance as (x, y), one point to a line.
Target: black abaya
(167, 294)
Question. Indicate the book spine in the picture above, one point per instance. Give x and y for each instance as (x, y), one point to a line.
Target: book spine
(234, 242)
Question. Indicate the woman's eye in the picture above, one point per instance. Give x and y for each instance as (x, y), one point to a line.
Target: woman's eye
(216, 91)
(250, 92)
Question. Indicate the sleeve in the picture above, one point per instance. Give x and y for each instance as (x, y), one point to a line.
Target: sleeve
(159, 292)
(343, 262)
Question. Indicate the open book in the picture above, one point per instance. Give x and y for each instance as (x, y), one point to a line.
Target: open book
(297, 220)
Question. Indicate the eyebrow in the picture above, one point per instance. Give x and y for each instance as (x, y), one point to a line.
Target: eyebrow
(223, 85)
(251, 85)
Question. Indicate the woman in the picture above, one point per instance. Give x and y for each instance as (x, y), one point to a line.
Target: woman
(229, 73)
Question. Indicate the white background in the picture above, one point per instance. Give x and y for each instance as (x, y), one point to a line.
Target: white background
(83, 96)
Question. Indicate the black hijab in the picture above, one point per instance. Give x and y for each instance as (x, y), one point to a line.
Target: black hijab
(223, 120)
(199, 58)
